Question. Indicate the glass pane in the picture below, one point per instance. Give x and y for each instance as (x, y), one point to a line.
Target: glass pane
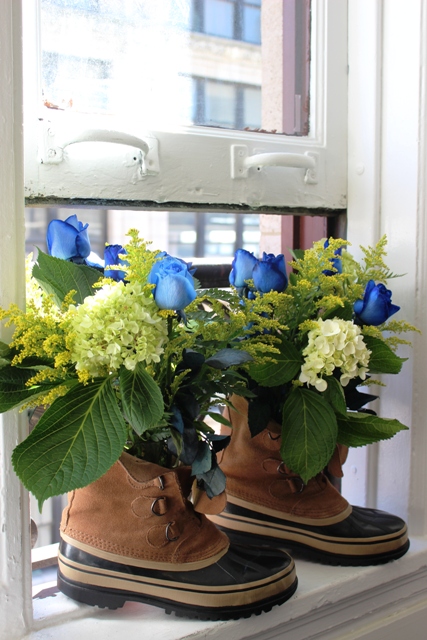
(220, 104)
(165, 64)
(251, 27)
(219, 18)
(251, 107)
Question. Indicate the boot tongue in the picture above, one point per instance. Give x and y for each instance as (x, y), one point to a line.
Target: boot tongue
(336, 462)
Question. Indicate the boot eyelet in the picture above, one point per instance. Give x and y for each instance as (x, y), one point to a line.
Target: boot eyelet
(161, 483)
(168, 538)
(282, 469)
(301, 483)
(296, 480)
(153, 506)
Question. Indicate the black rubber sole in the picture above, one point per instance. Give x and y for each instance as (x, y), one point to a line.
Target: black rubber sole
(237, 584)
(305, 552)
(114, 599)
(363, 537)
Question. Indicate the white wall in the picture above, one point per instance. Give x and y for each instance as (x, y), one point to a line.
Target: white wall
(386, 191)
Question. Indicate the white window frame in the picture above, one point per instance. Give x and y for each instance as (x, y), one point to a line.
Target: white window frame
(387, 193)
(197, 166)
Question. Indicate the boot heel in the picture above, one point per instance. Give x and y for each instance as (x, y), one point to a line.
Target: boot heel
(89, 595)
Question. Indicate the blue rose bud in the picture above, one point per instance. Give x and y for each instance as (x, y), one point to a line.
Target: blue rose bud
(376, 306)
(68, 239)
(269, 274)
(111, 258)
(336, 262)
(241, 268)
(174, 284)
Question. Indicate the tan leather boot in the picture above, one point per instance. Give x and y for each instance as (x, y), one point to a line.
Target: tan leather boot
(269, 505)
(133, 535)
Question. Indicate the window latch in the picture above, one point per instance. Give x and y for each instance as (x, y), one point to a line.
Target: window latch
(242, 162)
(52, 147)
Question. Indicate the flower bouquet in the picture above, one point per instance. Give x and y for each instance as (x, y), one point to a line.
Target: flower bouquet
(127, 357)
(316, 337)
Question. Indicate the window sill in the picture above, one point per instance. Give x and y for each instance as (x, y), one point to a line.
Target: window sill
(330, 603)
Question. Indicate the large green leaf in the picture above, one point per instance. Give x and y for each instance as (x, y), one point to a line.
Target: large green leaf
(227, 358)
(345, 313)
(5, 350)
(259, 415)
(74, 443)
(5, 354)
(309, 433)
(142, 400)
(382, 358)
(359, 429)
(13, 391)
(58, 277)
(334, 394)
(283, 369)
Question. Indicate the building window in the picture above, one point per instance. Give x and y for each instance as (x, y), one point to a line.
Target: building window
(226, 104)
(214, 236)
(234, 19)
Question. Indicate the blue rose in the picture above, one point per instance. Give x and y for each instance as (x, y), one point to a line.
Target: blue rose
(269, 274)
(336, 262)
(111, 257)
(376, 306)
(241, 268)
(68, 239)
(174, 284)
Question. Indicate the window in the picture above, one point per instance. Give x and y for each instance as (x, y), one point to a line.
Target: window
(390, 140)
(226, 104)
(228, 19)
(176, 99)
(212, 236)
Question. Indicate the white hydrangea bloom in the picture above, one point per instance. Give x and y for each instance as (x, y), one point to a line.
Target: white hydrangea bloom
(119, 325)
(334, 344)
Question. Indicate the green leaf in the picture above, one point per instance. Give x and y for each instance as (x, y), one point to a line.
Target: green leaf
(218, 417)
(75, 442)
(285, 367)
(345, 313)
(259, 415)
(142, 400)
(58, 277)
(359, 429)
(293, 280)
(334, 394)
(297, 254)
(309, 433)
(5, 350)
(382, 358)
(227, 358)
(5, 354)
(13, 391)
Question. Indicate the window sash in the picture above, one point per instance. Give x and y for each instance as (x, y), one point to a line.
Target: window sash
(199, 167)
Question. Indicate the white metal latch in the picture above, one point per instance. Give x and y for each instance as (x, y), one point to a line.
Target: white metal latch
(241, 162)
(51, 150)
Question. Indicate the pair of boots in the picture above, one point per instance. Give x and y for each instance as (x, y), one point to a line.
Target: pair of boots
(134, 535)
